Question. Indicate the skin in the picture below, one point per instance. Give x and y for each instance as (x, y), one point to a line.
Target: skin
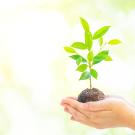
(108, 113)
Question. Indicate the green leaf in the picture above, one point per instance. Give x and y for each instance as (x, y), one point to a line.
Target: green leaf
(101, 41)
(100, 57)
(88, 40)
(94, 73)
(85, 75)
(114, 42)
(84, 24)
(69, 49)
(90, 56)
(79, 45)
(99, 33)
(78, 61)
(82, 67)
(108, 58)
(75, 57)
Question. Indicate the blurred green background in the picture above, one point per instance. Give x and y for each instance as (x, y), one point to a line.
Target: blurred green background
(35, 72)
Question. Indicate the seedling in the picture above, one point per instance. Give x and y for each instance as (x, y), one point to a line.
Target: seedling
(86, 64)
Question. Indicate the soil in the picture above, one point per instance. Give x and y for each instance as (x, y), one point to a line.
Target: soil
(88, 95)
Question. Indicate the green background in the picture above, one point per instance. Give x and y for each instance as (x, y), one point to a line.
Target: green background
(35, 72)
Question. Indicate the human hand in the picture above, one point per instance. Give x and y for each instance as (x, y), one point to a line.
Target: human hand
(111, 112)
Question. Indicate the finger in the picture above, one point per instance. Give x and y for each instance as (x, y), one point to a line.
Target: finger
(76, 114)
(102, 105)
(75, 98)
(85, 122)
(65, 108)
(73, 103)
(98, 115)
(92, 121)
(63, 100)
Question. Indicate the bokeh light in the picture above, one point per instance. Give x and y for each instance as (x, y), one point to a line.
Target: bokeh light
(35, 72)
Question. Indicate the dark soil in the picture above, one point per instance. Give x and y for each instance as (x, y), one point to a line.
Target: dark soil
(88, 95)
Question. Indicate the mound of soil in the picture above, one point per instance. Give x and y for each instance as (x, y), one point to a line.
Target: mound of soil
(88, 95)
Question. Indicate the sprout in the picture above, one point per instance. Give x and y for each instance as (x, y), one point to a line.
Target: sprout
(85, 64)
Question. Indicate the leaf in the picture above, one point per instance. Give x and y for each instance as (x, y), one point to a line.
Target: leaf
(84, 24)
(82, 67)
(79, 45)
(114, 42)
(100, 57)
(75, 57)
(69, 49)
(90, 56)
(78, 61)
(101, 41)
(85, 75)
(99, 33)
(88, 40)
(108, 58)
(94, 73)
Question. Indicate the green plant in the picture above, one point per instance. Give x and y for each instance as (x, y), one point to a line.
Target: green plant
(85, 64)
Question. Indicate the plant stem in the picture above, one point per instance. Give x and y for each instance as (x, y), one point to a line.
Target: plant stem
(90, 76)
(90, 83)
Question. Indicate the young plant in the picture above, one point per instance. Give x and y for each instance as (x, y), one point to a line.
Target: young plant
(85, 64)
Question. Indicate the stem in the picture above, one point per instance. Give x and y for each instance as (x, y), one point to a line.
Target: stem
(90, 83)
(90, 77)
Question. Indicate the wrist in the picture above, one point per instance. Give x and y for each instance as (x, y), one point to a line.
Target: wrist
(131, 117)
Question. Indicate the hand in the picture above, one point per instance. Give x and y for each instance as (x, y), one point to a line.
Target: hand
(107, 113)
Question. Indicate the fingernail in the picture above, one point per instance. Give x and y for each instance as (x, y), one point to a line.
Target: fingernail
(66, 109)
(72, 118)
(62, 101)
